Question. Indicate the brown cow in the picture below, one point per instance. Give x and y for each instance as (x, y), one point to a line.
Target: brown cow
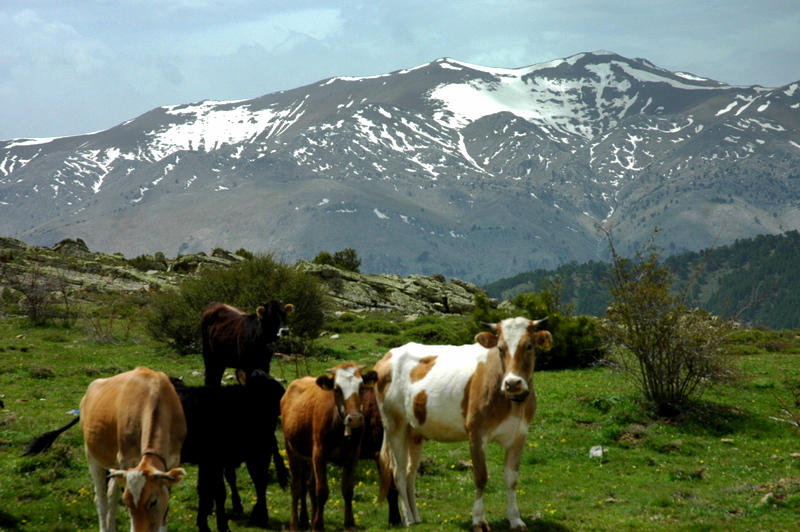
(133, 428)
(323, 422)
(480, 393)
(234, 339)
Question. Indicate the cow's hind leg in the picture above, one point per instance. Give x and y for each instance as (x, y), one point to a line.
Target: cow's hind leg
(395, 445)
(414, 457)
(214, 374)
(299, 486)
(512, 461)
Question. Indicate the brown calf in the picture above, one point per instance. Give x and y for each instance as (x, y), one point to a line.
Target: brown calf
(323, 422)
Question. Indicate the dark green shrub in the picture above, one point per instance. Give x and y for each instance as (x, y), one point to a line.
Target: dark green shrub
(175, 316)
(347, 259)
(576, 339)
(145, 263)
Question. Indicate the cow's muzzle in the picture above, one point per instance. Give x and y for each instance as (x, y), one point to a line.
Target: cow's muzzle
(518, 397)
(352, 420)
(515, 389)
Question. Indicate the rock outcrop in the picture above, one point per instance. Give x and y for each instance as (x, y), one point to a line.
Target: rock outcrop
(415, 294)
(72, 261)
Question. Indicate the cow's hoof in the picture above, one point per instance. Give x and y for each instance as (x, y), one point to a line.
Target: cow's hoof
(520, 528)
(259, 517)
(481, 527)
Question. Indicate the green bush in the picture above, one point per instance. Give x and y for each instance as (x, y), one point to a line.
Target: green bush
(433, 330)
(576, 339)
(347, 259)
(175, 315)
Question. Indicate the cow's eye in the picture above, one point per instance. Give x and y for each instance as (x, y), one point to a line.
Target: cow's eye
(152, 503)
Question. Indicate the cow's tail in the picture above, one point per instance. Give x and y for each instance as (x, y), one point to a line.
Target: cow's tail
(280, 468)
(43, 442)
(385, 469)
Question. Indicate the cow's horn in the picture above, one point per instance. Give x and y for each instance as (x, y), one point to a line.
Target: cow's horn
(536, 323)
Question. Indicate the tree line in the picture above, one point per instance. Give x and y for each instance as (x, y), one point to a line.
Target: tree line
(756, 279)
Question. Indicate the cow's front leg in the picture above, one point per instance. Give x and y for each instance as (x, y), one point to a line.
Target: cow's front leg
(348, 483)
(236, 499)
(511, 470)
(102, 487)
(477, 448)
(258, 467)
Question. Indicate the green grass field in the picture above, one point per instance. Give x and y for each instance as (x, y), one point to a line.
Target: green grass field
(729, 465)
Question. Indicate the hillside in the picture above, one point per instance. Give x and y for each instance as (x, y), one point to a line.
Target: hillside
(757, 277)
(447, 168)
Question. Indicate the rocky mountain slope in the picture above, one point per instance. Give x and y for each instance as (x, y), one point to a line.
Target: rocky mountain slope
(450, 168)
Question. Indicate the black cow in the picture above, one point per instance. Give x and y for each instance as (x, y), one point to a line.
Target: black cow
(235, 339)
(225, 427)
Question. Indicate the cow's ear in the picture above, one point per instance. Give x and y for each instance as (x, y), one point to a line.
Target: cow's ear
(486, 339)
(370, 378)
(118, 473)
(173, 476)
(544, 340)
(325, 382)
(289, 308)
(260, 312)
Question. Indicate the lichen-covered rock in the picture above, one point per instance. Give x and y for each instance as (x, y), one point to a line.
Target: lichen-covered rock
(75, 248)
(418, 294)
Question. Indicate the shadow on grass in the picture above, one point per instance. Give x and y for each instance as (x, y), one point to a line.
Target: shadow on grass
(8, 522)
(713, 419)
(534, 525)
(543, 525)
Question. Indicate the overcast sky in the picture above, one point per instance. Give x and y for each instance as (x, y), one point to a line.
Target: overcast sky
(76, 66)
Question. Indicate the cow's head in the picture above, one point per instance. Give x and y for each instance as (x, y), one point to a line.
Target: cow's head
(516, 340)
(273, 319)
(147, 495)
(347, 382)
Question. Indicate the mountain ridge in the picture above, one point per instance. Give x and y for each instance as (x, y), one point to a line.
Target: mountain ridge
(451, 168)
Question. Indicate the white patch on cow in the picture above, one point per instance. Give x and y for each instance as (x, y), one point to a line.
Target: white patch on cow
(347, 381)
(514, 332)
(444, 386)
(478, 512)
(136, 481)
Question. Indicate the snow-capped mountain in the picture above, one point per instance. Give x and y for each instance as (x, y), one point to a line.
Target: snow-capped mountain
(450, 168)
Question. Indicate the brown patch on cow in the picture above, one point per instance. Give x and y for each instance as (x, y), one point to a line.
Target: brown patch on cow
(422, 368)
(465, 397)
(383, 367)
(421, 407)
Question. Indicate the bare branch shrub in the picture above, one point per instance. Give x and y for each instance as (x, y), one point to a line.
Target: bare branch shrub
(672, 353)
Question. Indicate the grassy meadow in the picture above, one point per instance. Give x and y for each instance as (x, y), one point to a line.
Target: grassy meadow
(732, 464)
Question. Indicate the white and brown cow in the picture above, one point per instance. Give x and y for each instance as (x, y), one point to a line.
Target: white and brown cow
(133, 428)
(481, 392)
